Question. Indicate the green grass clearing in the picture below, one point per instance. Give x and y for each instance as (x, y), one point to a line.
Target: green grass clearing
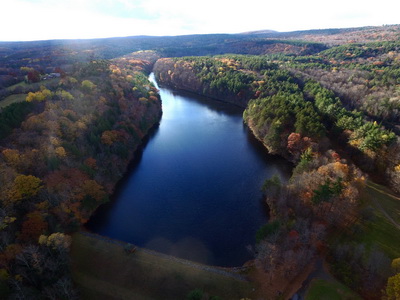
(33, 86)
(377, 231)
(19, 84)
(103, 270)
(12, 99)
(386, 198)
(380, 231)
(321, 289)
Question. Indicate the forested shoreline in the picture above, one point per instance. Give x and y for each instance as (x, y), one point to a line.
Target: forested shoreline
(63, 161)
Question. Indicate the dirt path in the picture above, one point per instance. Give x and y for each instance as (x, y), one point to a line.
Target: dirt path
(320, 271)
(383, 192)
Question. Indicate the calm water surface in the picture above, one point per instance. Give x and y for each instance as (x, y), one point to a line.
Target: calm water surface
(194, 189)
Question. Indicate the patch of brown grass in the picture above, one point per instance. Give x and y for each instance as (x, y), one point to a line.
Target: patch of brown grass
(103, 270)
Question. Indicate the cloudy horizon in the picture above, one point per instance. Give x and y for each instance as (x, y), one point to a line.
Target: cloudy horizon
(26, 20)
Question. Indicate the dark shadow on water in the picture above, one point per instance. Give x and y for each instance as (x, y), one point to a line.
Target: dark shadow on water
(218, 106)
(102, 213)
(285, 167)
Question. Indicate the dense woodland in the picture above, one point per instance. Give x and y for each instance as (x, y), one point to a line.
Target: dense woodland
(71, 143)
(72, 114)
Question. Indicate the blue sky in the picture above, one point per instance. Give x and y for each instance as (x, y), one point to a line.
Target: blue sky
(56, 19)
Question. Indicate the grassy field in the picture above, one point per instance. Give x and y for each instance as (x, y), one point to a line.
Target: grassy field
(12, 99)
(386, 199)
(20, 84)
(329, 290)
(381, 231)
(32, 87)
(35, 85)
(103, 270)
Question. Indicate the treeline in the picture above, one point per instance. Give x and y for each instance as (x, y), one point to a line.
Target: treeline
(365, 76)
(280, 109)
(60, 162)
(244, 45)
(352, 51)
(45, 56)
(205, 76)
(365, 135)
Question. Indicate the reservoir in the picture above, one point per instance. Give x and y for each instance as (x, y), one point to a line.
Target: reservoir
(194, 189)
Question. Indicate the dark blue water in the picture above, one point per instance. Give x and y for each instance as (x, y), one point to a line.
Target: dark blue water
(194, 189)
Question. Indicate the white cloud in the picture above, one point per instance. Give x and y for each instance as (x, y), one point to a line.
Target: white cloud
(50, 19)
(72, 19)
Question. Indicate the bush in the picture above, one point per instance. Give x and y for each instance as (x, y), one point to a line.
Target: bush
(267, 229)
(196, 294)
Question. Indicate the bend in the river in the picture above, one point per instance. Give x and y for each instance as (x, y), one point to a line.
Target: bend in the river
(194, 190)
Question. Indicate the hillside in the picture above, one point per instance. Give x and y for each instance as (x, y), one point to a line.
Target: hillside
(340, 36)
(62, 152)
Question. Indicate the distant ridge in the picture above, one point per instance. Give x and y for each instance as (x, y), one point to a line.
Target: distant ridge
(264, 31)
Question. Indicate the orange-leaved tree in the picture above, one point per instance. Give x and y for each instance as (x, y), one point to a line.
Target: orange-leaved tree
(34, 226)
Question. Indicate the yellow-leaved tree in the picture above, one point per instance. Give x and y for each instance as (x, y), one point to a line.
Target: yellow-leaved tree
(393, 287)
(393, 283)
(25, 186)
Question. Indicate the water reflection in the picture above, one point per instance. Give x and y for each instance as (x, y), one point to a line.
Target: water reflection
(194, 188)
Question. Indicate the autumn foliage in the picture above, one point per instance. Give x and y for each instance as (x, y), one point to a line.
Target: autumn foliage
(322, 196)
(33, 226)
(61, 163)
(24, 186)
